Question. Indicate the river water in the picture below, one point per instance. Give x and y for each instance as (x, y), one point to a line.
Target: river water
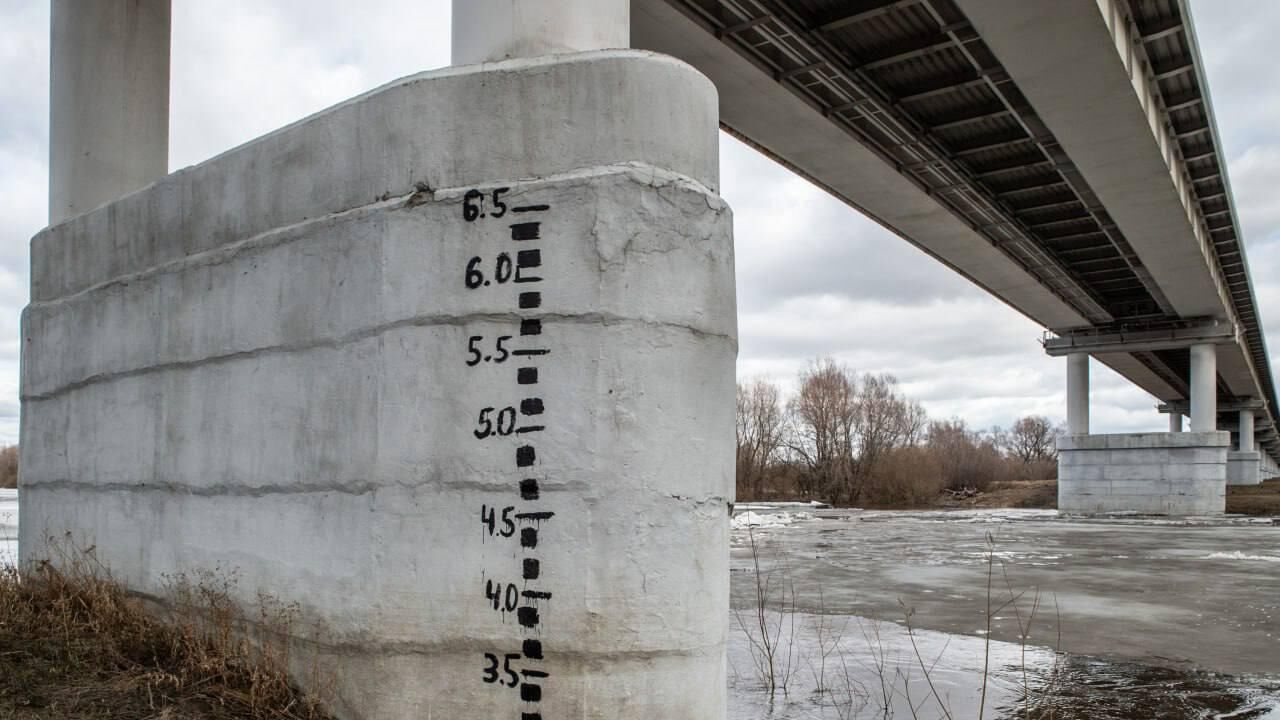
(885, 614)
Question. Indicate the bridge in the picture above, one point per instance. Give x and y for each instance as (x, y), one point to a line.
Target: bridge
(451, 363)
(1061, 155)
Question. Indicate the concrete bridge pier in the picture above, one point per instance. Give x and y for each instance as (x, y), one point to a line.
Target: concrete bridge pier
(493, 30)
(108, 101)
(450, 365)
(1169, 473)
(1244, 463)
(1078, 394)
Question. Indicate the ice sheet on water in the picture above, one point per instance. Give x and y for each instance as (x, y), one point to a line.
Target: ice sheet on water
(810, 504)
(1237, 555)
(751, 519)
(843, 667)
(976, 515)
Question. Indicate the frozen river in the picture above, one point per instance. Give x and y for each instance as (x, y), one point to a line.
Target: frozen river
(1155, 618)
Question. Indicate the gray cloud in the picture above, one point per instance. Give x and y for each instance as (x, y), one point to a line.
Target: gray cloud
(794, 240)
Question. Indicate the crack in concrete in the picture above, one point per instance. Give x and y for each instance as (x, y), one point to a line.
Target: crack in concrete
(354, 487)
(333, 343)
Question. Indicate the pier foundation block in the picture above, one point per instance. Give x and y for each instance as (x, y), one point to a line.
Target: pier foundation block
(1147, 473)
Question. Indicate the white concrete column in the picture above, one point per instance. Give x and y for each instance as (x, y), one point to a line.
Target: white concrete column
(108, 101)
(1078, 394)
(1175, 422)
(1246, 431)
(491, 30)
(1204, 388)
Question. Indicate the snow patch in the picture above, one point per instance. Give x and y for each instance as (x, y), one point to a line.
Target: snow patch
(751, 519)
(1237, 555)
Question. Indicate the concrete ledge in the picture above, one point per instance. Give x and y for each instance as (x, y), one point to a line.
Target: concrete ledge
(1145, 440)
(519, 119)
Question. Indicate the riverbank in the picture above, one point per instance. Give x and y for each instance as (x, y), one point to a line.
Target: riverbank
(75, 645)
(1137, 605)
(1256, 500)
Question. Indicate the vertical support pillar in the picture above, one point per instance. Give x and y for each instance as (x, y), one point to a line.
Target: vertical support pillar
(1175, 422)
(1204, 388)
(491, 30)
(1078, 394)
(108, 101)
(1246, 431)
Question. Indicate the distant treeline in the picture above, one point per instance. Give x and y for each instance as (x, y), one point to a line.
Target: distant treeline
(855, 439)
(9, 467)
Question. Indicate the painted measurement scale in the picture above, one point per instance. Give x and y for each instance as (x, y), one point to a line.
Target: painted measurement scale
(519, 266)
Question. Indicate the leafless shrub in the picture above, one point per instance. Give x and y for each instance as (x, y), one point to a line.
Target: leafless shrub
(771, 640)
(969, 459)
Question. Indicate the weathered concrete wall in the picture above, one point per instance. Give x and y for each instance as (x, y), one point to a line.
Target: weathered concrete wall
(1150, 473)
(450, 364)
(1268, 470)
(1244, 468)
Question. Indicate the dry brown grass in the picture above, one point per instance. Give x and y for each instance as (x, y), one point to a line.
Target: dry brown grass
(1261, 499)
(9, 467)
(74, 644)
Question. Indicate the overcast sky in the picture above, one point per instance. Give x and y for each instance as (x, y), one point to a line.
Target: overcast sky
(814, 277)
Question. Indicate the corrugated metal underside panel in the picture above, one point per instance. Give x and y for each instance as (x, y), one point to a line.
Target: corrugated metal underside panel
(1169, 41)
(914, 82)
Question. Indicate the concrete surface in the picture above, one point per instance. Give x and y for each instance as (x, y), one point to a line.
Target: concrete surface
(302, 362)
(1244, 468)
(1203, 385)
(1148, 473)
(108, 101)
(1078, 394)
(492, 30)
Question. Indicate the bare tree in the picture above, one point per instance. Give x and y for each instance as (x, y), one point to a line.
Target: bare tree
(820, 420)
(884, 420)
(1033, 439)
(760, 434)
(841, 427)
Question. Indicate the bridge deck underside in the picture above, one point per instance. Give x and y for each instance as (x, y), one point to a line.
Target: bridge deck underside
(915, 83)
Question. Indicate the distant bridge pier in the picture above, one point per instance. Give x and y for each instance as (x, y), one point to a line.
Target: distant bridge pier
(1078, 394)
(1244, 464)
(1163, 473)
(1204, 388)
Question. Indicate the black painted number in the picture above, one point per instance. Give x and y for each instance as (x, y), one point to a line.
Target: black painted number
(491, 674)
(502, 271)
(501, 424)
(503, 596)
(489, 518)
(473, 204)
(477, 356)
